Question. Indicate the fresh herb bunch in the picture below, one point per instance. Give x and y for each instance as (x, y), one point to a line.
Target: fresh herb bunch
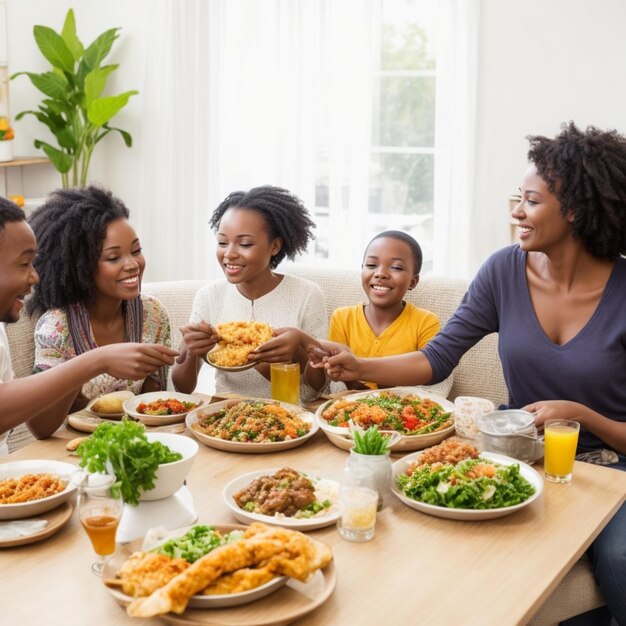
(371, 442)
(124, 450)
(197, 542)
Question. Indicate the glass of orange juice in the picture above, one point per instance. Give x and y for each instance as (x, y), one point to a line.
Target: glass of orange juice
(561, 438)
(285, 381)
(99, 510)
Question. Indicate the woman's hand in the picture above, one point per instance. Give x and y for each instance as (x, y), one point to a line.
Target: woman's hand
(555, 410)
(199, 338)
(282, 348)
(134, 361)
(337, 359)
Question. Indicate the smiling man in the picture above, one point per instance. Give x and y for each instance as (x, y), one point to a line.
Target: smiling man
(31, 399)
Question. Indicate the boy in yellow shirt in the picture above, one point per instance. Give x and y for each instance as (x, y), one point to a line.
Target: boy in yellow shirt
(386, 325)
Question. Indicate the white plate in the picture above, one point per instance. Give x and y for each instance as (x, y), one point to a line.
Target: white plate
(38, 466)
(399, 467)
(331, 516)
(238, 368)
(249, 446)
(113, 564)
(124, 395)
(130, 406)
(340, 435)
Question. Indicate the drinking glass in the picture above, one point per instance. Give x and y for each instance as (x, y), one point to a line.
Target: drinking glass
(99, 510)
(358, 500)
(285, 382)
(560, 440)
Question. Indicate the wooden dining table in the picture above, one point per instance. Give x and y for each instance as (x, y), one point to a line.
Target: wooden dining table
(418, 569)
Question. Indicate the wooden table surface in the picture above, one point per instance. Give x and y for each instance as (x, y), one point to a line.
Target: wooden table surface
(418, 569)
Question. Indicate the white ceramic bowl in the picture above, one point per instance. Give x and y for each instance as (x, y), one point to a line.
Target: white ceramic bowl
(170, 477)
(17, 469)
(130, 407)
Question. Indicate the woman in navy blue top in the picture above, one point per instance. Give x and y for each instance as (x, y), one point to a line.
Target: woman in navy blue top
(558, 301)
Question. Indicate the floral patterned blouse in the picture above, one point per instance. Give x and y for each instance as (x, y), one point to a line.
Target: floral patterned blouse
(54, 345)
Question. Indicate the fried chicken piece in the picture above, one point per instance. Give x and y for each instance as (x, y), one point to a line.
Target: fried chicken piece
(242, 580)
(145, 572)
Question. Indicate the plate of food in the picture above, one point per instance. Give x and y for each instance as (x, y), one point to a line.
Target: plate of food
(110, 405)
(421, 419)
(237, 341)
(454, 480)
(212, 567)
(29, 488)
(252, 425)
(301, 500)
(161, 407)
(22, 532)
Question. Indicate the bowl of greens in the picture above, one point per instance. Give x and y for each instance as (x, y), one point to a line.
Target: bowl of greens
(147, 466)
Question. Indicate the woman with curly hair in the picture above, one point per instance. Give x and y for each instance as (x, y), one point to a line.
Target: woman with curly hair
(90, 267)
(256, 230)
(558, 301)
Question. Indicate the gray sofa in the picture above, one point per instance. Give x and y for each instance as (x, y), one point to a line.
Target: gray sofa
(478, 374)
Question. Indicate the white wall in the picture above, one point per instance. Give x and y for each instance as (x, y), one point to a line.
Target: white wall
(541, 63)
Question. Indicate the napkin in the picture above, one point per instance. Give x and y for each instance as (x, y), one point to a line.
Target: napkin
(22, 528)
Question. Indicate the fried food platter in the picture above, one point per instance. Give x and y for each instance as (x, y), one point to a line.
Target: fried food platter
(278, 602)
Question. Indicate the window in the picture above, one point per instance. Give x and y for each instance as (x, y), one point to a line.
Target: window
(400, 169)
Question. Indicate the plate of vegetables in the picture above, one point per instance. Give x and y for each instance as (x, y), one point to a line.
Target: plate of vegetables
(421, 419)
(296, 499)
(161, 407)
(473, 486)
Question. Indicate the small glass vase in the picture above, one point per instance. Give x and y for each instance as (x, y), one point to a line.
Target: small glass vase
(380, 464)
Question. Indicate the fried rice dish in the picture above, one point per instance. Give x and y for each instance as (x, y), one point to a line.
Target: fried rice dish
(237, 340)
(29, 487)
(256, 421)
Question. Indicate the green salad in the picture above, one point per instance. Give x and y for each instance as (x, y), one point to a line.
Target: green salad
(470, 484)
(197, 542)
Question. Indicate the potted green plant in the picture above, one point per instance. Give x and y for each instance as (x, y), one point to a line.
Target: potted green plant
(74, 109)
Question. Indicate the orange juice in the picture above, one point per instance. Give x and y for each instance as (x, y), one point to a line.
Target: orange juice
(285, 381)
(101, 530)
(560, 449)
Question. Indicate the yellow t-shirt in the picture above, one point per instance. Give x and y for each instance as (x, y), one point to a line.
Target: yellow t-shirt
(410, 331)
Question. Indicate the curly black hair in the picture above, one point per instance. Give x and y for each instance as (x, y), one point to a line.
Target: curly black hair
(587, 173)
(400, 235)
(284, 213)
(9, 212)
(70, 228)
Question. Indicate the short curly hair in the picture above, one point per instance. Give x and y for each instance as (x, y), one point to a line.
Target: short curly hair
(284, 213)
(586, 170)
(400, 235)
(9, 212)
(70, 228)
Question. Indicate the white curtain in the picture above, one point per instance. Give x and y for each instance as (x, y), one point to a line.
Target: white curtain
(244, 93)
(455, 130)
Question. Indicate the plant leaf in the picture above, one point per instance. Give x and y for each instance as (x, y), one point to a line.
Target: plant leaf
(128, 140)
(70, 38)
(61, 161)
(100, 48)
(101, 110)
(49, 83)
(53, 48)
(95, 82)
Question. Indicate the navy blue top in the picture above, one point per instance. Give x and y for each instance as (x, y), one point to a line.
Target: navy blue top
(590, 368)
